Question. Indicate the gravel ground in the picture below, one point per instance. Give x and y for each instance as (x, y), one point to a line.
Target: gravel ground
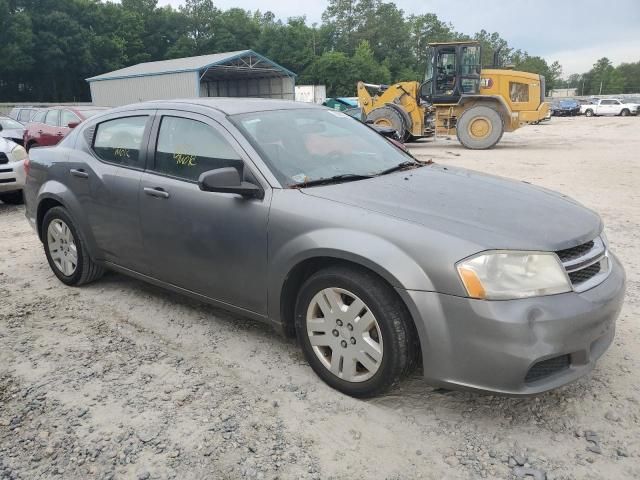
(120, 379)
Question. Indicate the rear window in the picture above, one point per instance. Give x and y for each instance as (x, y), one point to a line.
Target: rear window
(518, 92)
(119, 141)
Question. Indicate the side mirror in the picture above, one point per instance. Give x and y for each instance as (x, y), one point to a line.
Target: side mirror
(228, 180)
(73, 124)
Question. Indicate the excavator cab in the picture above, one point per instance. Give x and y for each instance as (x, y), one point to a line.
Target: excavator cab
(453, 70)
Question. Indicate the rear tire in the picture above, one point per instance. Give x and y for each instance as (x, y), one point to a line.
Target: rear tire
(12, 198)
(329, 310)
(588, 113)
(625, 113)
(480, 128)
(66, 249)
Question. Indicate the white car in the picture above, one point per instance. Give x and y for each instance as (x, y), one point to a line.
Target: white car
(12, 173)
(609, 106)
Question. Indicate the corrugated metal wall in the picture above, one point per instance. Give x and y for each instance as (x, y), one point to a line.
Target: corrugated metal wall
(280, 87)
(122, 91)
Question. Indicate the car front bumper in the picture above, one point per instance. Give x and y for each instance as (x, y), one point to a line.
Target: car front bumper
(12, 176)
(497, 346)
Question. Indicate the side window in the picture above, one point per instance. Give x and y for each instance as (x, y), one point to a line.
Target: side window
(518, 92)
(68, 117)
(24, 115)
(119, 141)
(607, 102)
(52, 118)
(39, 116)
(186, 148)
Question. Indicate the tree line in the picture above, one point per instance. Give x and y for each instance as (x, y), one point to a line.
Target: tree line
(49, 47)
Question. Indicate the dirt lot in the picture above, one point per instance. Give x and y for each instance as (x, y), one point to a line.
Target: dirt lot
(123, 380)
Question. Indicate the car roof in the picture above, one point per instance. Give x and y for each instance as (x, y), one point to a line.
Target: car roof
(227, 105)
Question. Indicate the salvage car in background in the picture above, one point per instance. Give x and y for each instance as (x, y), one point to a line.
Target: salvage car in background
(23, 114)
(307, 219)
(566, 108)
(49, 126)
(12, 171)
(11, 129)
(609, 106)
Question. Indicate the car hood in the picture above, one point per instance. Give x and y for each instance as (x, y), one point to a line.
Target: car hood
(6, 145)
(12, 133)
(493, 212)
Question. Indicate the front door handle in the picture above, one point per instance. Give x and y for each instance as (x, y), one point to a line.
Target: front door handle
(79, 172)
(156, 192)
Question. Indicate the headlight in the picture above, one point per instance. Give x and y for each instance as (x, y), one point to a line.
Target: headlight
(18, 153)
(503, 275)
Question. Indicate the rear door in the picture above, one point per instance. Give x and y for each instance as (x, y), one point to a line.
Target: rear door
(214, 244)
(104, 174)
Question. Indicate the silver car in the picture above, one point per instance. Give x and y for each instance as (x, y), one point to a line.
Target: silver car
(309, 220)
(12, 171)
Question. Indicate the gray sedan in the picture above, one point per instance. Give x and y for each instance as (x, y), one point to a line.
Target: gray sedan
(305, 218)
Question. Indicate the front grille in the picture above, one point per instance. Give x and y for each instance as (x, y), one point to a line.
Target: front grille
(580, 276)
(587, 265)
(6, 170)
(7, 180)
(548, 367)
(575, 252)
(3, 158)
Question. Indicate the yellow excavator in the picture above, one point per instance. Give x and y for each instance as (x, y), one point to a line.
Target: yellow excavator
(458, 97)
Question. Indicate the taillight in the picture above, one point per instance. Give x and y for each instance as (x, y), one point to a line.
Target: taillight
(26, 165)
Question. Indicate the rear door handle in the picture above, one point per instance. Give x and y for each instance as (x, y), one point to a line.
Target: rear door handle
(80, 173)
(156, 192)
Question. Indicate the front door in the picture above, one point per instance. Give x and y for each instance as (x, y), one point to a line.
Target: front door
(213, 244)
(49, 129)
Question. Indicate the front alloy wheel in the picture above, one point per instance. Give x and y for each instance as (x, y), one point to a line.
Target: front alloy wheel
(344, 334)
(355, 331)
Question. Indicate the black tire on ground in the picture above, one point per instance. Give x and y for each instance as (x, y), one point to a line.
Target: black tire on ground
(480, 128)
(12, 198)
(625, 113)
(389, 117)
(400, 351)
(588, 113)
(86, 270)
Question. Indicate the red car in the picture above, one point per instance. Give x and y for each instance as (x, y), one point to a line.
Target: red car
(50, 125)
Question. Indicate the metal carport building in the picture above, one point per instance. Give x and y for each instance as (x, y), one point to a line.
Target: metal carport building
(232, 74)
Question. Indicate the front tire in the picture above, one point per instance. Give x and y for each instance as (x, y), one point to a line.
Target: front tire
(480, 128)
(354, 330)
(66, 249)
(589, 113)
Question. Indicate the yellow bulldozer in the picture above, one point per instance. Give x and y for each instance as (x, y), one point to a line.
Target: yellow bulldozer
(458, 97)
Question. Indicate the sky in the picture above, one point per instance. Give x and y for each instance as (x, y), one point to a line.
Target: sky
(574, 32)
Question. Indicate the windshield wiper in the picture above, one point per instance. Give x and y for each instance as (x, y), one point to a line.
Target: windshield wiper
(401, 166)
(345, 177)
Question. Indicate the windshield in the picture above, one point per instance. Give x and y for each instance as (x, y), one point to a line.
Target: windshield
(9, 124)
(307, 145)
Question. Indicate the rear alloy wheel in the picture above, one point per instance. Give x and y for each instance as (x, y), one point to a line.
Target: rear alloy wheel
(625, 113)
(354, 330)
(589, 113)
(479, 128)
(65, 249)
